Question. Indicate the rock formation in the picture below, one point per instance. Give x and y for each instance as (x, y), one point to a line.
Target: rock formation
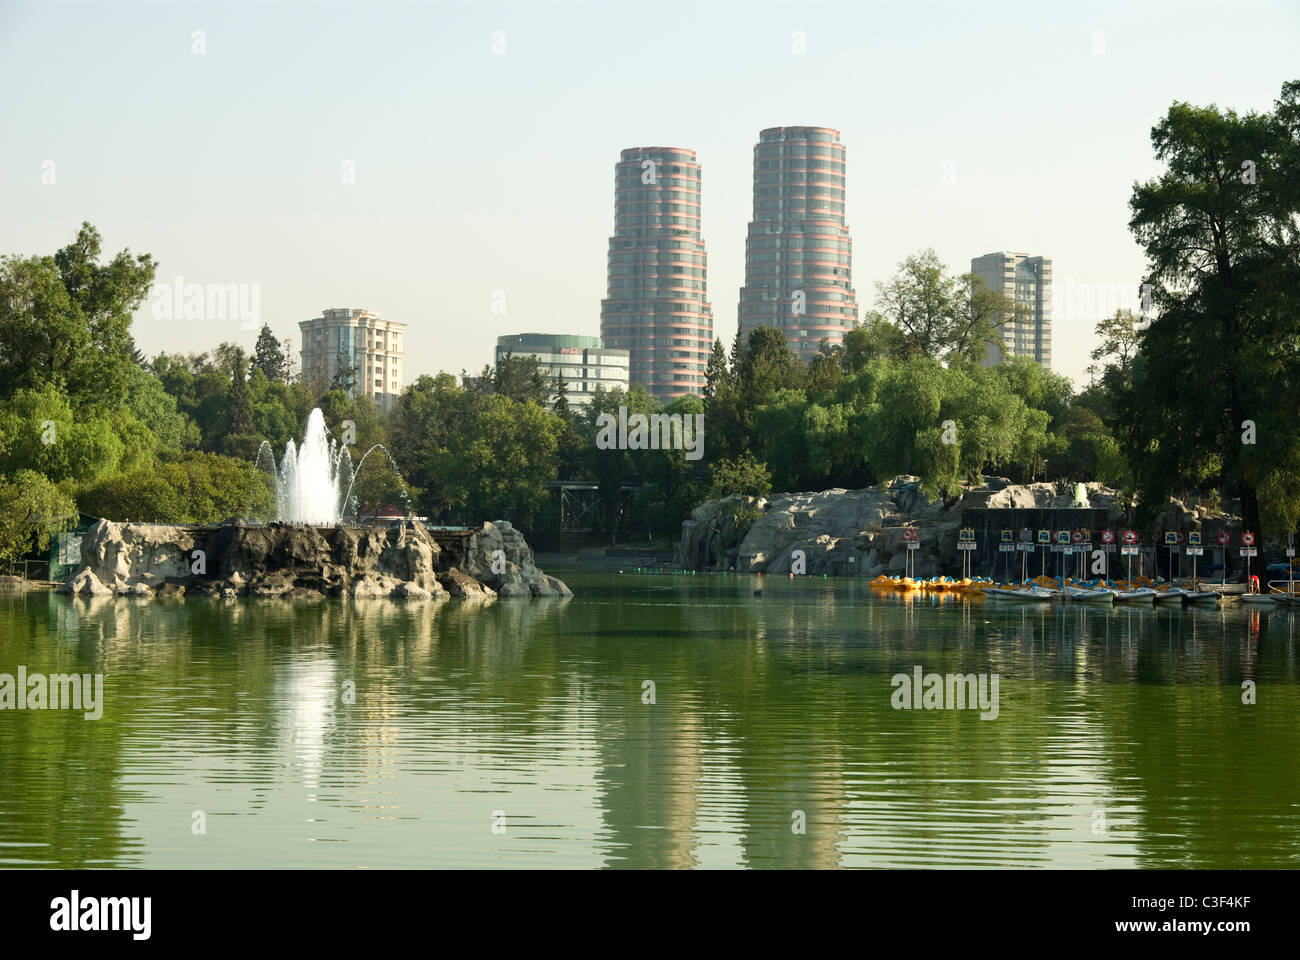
(852, 532)
(280, 559)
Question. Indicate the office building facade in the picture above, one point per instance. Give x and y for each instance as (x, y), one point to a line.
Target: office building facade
(373, 346)
(798, 254)
(582, 362)
(1027, 281)
(657, 308)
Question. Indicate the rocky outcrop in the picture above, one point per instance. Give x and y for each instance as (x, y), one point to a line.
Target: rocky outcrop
(498, 556)
(850, 532)
(287, 560)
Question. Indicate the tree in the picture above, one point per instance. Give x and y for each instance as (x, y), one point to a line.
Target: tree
(31, 509)
(874, 337)
(1221, 231)
(715, 372)
(240, 440)
(65, 320)
(976, 313)
(746, 476)
(1120, 336)
(269, 356)
(345, 373)
(920, 300)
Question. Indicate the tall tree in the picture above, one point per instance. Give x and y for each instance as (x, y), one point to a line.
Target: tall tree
(1214, 378)
(268, 356)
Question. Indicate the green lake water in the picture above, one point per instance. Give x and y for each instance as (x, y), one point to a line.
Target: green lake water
(516, 733)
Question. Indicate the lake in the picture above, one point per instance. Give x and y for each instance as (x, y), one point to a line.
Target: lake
(651, 721)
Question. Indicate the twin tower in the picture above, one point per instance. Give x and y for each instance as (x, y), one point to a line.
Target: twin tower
(797, 257)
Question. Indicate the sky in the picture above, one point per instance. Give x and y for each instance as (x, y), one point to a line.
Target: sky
(416, 159)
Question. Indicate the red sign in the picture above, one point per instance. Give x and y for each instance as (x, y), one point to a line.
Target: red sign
(910, 533)
(1130, 537)
(1108, 536)
(1224, 539)
(1247, 539)
(1076, 536)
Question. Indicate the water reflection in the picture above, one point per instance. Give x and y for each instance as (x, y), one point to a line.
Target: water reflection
(388, 733)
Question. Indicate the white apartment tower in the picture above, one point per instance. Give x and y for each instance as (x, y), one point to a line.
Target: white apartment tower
(1028, 281)
(372, 346)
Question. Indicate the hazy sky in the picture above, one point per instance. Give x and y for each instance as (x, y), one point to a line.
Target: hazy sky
(478, 171)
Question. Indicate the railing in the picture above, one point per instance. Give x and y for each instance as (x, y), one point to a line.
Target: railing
(27, 564)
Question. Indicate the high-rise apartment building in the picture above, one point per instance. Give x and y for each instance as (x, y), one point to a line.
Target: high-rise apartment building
(658, 308)
(798, 255)
(582, 362)
(1028, 281)
(372, 347)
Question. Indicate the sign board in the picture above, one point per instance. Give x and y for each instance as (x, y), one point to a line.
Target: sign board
(1194, 538)
(1006, 536)
(966, 534)
(1026, 535)
(1224, 539)
(1129, 550)
(913, 545)
(1130, 537)
(911, 533)
(1076, 536)
(1006, 548)
(1290, 551)
(1044, 536)
(1249, 552)
(1248, 539)
(1196, 551)
(1062, 536)
(965, 545)
(1108, 536)
(1171, 538)
(1026, 547)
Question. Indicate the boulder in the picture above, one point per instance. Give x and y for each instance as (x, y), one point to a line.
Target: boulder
(463, 586)
(84, 583)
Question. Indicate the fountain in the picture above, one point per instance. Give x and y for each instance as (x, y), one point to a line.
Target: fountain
(314, 482)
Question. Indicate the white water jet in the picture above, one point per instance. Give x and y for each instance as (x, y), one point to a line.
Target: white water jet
(312, 477)
(314, 481)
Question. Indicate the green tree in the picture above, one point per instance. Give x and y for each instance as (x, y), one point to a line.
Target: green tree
(65, 321)
(1221, 231)
(269, 357)
(31, 509)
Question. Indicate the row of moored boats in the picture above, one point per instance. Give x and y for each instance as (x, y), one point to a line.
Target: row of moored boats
(1044, 589)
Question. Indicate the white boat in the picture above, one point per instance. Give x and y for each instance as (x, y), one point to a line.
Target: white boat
(1138, 595)
(1172, 595)
(1090, 595)
(1028, 594)
(1202, 596)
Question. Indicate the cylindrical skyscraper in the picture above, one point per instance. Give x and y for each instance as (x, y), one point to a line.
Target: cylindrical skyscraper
(658, 308)
(798, 254)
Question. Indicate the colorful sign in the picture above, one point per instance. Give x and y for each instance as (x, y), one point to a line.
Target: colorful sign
(1247, 539)
(1224, 539)
(1171, 538)
(1006, 536)
(1044, 536)
(1062, 536)
(1130, 537)
(1194, 538)
(911, 533)
(1108, 536)
(966, 534)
